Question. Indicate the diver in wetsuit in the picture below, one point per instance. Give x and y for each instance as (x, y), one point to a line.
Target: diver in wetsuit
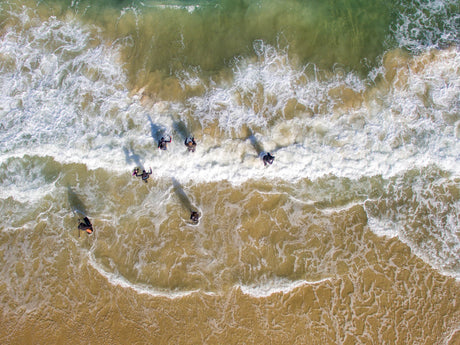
(268, 158)
(194, 216)
(162, 144)
(145, 175)
(86, 225)
(190, 143)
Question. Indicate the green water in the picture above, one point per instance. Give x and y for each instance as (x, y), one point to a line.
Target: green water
(160, 40)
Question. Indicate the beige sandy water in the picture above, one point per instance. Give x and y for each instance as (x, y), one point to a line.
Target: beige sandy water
(352, 286)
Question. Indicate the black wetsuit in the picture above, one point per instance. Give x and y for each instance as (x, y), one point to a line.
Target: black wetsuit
(195, 216)
(145, 175)
(190, 143)
(86, 225)
(162, 143)
(268, 158)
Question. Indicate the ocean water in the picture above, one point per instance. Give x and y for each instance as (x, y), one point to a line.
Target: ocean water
(351, 236)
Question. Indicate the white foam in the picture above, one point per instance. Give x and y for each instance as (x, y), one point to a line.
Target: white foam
(268, 83)
(274, 286)
(422, 212)
(118, 280)
(62, 93)
(426, 23)
(260, 290)
(384, 138)
(23, 180)
(383, 228)
(188, 8)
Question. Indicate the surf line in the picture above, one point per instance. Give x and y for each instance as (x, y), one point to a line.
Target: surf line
(274, 287)
(261, 290)
(118, 280)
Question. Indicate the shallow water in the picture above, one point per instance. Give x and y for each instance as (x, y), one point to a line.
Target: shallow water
(349, 237)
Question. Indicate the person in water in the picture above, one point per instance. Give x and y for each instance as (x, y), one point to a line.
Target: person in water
(195, 216)
(268, 158)
(162, 144)
(86, 225)
(145, 175)
(190, 143)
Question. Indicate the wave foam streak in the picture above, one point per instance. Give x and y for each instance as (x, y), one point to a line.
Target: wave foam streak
(422, 208)
(320, 123)
(64, 91)
(261, 91)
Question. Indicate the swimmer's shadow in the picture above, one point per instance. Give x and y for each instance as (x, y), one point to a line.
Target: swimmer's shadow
(75, 202)
(132, 157)
(184, 199)
(156, 131)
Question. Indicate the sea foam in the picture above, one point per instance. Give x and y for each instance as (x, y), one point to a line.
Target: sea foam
(68, 99)
(275, 286)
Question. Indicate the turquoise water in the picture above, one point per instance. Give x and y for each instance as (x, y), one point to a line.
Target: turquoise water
(354, 225)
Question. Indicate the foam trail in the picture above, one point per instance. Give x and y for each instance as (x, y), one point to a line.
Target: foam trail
(276, 286)
(422, 211)
(118, 280)
(256, 290)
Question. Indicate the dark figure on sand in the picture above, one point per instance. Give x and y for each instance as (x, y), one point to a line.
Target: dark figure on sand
(86, 225)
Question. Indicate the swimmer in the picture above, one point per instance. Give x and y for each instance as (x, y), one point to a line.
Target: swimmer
(162, 144)
(195, 216)
(86, 225)
(145, 175)
(268, 158)
(190, 143)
